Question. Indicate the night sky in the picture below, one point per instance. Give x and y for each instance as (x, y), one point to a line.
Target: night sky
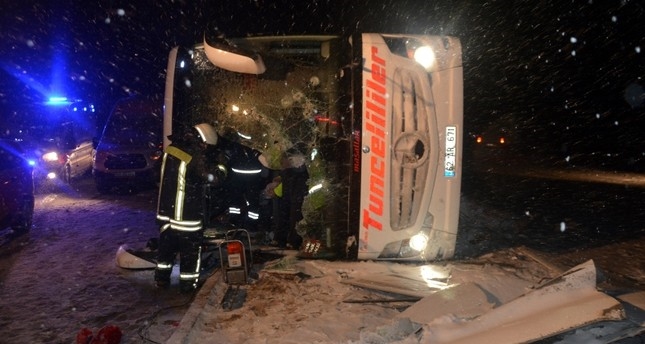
(550, 69)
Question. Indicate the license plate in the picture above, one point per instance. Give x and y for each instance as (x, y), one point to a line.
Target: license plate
(124, 174)
(450, 161)
(235, 260)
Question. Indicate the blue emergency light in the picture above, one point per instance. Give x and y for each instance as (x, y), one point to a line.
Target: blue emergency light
(55, 101)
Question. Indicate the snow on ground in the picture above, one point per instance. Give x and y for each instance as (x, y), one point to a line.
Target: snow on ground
(62, 277)
(310, 301)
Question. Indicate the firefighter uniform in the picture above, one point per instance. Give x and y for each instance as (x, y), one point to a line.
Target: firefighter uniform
(293, 189)
(180, 208)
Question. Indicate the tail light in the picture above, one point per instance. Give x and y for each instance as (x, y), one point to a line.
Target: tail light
(235, 251)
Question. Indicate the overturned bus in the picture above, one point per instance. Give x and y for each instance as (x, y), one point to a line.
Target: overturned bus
(380, 117)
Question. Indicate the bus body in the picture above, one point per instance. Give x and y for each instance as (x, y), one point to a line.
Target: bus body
(379, 118)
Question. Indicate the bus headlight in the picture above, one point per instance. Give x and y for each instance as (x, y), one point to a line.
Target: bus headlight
(424, 55)
(399, 249)
(411, 247)
(419, 242)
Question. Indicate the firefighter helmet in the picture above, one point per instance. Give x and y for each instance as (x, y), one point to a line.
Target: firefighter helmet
(207, 133)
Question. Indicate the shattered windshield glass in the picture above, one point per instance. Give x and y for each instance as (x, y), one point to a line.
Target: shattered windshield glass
(296, 104)
(296, 101)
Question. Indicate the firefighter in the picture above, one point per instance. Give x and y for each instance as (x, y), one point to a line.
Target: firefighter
(291, 191)
(180, 211)
(247, 175)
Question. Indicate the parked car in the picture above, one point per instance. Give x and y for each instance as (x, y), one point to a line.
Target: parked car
(61, 152)
(16, 188)
(128, 153)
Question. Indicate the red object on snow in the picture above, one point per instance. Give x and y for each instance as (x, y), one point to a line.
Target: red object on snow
(109, 334)
(84, 336)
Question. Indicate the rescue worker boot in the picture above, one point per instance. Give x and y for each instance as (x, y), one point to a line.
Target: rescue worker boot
(187, 287)
(162, 279)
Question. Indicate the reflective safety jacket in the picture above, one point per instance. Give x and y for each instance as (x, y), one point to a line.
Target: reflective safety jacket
(180, 194)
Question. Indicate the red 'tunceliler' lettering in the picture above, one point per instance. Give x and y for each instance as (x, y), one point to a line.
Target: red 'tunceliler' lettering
(375, 121)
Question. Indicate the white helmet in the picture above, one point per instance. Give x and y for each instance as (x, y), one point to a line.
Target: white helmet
(207, 133)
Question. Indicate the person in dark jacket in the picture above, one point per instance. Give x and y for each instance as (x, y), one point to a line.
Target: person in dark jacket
(247, 176)
(180, 211)
(293, 179)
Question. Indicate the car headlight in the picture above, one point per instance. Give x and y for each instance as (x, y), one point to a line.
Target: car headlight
(51, 156)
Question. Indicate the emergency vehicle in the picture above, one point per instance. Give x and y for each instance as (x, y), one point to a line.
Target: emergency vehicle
(379, 118)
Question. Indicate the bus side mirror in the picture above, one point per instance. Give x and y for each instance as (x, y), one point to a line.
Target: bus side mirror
(226, 56)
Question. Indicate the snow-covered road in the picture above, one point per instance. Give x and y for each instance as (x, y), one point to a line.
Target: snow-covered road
(62, 276)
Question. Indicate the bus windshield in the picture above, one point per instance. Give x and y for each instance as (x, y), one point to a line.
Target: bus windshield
(300, 100)
(296, 101)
